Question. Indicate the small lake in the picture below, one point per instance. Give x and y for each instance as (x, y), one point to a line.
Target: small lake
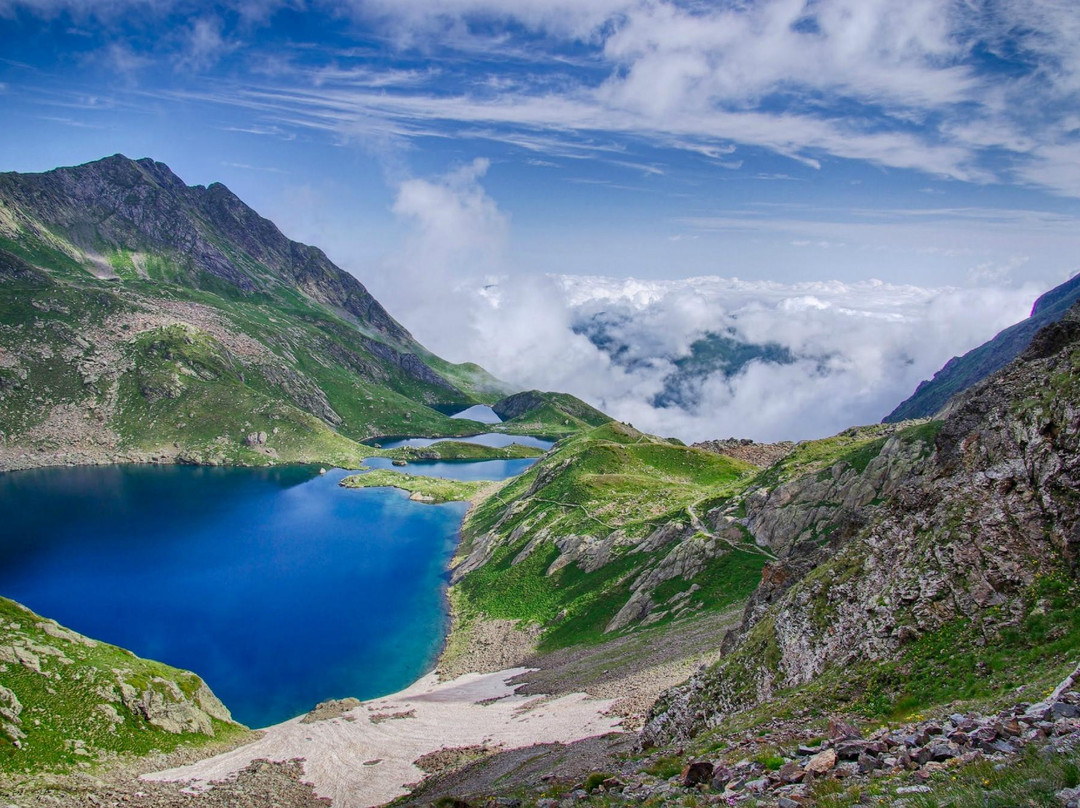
(457, 469)
(276, 586)
(496, 439)
(479, 412)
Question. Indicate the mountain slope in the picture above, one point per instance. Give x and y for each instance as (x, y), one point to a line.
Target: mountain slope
(961, 372)
(974, 548)
(145, 319)
(66, 699)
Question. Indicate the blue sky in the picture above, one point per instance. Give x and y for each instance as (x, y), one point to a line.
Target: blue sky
(436, 146)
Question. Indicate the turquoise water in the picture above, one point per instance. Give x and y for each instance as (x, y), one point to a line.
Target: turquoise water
(276, 586)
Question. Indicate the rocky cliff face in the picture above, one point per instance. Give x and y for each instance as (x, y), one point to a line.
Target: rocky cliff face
(937, 528)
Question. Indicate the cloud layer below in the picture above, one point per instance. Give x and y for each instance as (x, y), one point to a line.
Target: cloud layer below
(858, 348)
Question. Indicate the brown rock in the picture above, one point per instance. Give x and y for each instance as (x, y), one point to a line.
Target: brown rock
(700, 771)
(791, 773)
(822, 762)
(842, 731)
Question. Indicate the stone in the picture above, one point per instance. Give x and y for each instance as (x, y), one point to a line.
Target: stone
(759, 786)
(942, 750)
(847, 769)
(1069, 797)
(868, 763)
(1004, 747)
(791, 772)
(787, 802)
(696, 773)
(1063, 710)
(821, 762)
(913, 790)
(842, 731)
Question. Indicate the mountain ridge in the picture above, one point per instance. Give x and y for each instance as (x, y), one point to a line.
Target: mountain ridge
(961, 372)
(146, 320)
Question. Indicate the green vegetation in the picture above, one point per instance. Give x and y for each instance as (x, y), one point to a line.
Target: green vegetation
(957, 663)
(611, 477)
(76, 701)
(552, 414)
(611, 483)
(424, 489)
(131, 345)
(1031, 779)
(956, 668)
(855, 447)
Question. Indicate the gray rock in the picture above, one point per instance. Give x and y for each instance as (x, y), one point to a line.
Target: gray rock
(1063, 710)
(1069, 797)
(913, 790)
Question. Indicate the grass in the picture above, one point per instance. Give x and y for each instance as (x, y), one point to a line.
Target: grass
(272, 360)
(611, 480)
(62, 703)
(425, 489)
(1029, 780)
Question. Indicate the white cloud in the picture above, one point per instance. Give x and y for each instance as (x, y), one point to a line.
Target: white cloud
(860, 348)
(203, 45)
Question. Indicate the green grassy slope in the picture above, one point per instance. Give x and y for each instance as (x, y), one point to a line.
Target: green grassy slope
(181, 323)
(69, 701)
(612, 486)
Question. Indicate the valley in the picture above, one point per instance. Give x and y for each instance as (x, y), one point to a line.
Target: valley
(883, 616)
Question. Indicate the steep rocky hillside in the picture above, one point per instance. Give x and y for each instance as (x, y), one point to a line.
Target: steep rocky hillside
(141, 318)
(603, 535)
(961, 372)
(67, 700)
(919, 580)
(959, 575)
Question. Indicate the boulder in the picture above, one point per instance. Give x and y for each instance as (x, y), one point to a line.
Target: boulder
(821, 762)
(696, 773)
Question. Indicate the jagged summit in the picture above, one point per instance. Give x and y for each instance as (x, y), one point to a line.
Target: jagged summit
(208, 233)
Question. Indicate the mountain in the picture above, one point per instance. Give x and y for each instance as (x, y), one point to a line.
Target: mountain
(961, 372)
(145, 319)
(712, 354)
(875, 611)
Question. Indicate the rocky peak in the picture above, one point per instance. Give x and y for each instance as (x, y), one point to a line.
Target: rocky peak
(119, 204)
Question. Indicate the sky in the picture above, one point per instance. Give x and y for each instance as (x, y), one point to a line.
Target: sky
(875, 185)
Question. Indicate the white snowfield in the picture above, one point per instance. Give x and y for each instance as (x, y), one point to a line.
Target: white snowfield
(359, 763)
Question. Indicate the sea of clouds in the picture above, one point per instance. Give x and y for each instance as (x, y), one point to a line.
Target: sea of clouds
(860, 348)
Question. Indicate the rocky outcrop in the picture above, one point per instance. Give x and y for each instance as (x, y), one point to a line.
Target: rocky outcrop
(748, 451)
(67, 698)
(141, 205)
(961, 534)
(165, 705)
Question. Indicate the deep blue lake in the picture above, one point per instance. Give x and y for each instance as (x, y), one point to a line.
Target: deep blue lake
(497, 439)
(276, 586)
